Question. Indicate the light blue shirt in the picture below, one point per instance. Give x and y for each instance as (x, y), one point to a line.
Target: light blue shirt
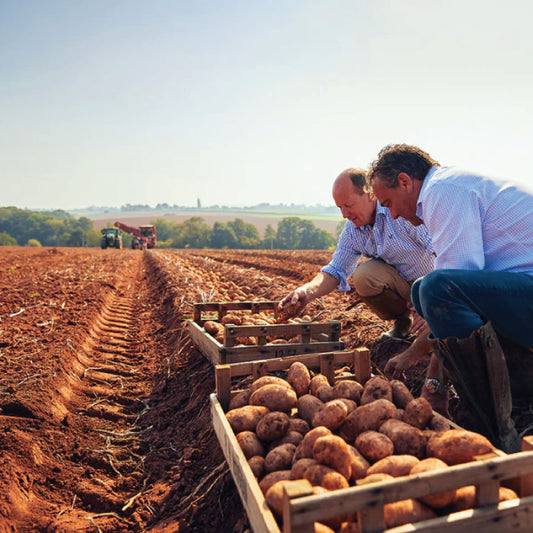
(397, 242)
(477, 223)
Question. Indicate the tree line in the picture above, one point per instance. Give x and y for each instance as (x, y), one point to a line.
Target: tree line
(22, 227)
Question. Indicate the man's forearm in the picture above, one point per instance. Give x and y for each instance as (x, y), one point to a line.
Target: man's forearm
(321, 285)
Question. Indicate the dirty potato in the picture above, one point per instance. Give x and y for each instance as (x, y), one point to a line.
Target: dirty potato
(332, 415)
(375, 388)
(332, 450)
(439, 499)
(249, 443)
(308, 405)
(299, 378)
(280, 458)
(306, 447)
(367, 417)
(418, 413)
(401, 395)
(394, 465)
(349, 389)
(318, 381)
(246, 418)
(457, 446)
(406, 438)
(374, 445)
(274, 397)
(273, 426)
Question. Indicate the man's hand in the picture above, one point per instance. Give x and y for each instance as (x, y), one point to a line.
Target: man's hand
(298, 297)
(399, 363)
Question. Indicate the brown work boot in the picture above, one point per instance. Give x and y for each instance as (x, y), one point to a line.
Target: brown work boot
(478, 370)
(389, 305)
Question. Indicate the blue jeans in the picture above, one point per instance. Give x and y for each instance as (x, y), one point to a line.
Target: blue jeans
(455, 303)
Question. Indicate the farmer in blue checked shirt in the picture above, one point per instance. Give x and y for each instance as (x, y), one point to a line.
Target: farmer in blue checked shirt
(398, 253)
(478, 302)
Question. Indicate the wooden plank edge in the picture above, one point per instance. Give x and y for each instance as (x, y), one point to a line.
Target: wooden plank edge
(261, 518)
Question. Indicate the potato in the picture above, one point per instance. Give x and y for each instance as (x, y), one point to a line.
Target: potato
(418, 413)
(376, 388)
(325, 393)
(406, 438)
(273, 426)
(322, 528)
(309, 440)
(374, 478)
(272, 478)
(326, 477)
(457, 446)
(351, 390)
(316, 382)
(249, 443)
(292, 437)
(401, 395)
(257, 464)
(231, 318)
(359, 465)
(275, 494)
(439, 423)
(332, 415)
(275, 397)
(374, 445)
(299, 378)
(394, 465)
(465, 497)
(246, 418)
(300, 466)
(213, 328)
(333, 451)
(349, 527)
(406, 512)
(269, 380)
(439, 499)
(299, 425)
(280, 458)
(240, 399)
(367, 417)
(350, 404)
(308, 405)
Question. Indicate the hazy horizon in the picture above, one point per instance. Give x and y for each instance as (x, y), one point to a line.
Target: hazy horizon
(239, 103)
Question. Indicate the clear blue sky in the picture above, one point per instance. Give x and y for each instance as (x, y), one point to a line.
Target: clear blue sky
(108, 102)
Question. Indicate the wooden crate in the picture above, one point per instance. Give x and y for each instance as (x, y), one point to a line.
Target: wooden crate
(316, 337)
(302, 508)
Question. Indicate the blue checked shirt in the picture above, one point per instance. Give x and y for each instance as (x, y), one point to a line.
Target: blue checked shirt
(477, 223)
(397, 242)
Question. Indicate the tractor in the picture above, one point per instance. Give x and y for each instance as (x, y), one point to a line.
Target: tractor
(111, 238)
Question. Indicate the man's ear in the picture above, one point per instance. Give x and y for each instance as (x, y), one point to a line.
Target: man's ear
(405, 181)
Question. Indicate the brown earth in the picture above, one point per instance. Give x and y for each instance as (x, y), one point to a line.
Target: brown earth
(104, 411)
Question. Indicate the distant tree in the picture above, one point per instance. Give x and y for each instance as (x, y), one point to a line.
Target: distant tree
(269, 239)
(223, 236)
(7, 240)
(246, 234)
(33, 242)
(297, 234)
(192, 233)
(288, 235)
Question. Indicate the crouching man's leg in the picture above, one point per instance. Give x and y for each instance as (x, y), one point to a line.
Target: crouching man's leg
(464, 339)
(381, 287)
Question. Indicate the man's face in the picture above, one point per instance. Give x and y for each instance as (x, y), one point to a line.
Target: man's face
(401, 200)
(358, 208)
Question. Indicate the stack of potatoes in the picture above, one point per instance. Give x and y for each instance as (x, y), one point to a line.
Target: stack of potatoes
(344, 435)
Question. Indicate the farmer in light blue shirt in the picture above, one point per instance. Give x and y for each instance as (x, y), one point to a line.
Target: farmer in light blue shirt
(480, 295)
(398, 253)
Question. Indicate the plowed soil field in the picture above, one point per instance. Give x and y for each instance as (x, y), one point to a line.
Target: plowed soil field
(104, 402)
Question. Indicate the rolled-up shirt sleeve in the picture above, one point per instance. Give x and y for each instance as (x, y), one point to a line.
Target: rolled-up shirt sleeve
(344, 259)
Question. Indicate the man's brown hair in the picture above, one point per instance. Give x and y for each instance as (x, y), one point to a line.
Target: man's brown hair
(397, 158)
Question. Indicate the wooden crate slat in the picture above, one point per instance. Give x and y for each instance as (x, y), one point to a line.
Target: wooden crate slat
(259, 515)
(355, 498)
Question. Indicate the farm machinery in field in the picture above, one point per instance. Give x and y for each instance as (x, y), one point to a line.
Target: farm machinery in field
(144, 236)
(111, 238)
